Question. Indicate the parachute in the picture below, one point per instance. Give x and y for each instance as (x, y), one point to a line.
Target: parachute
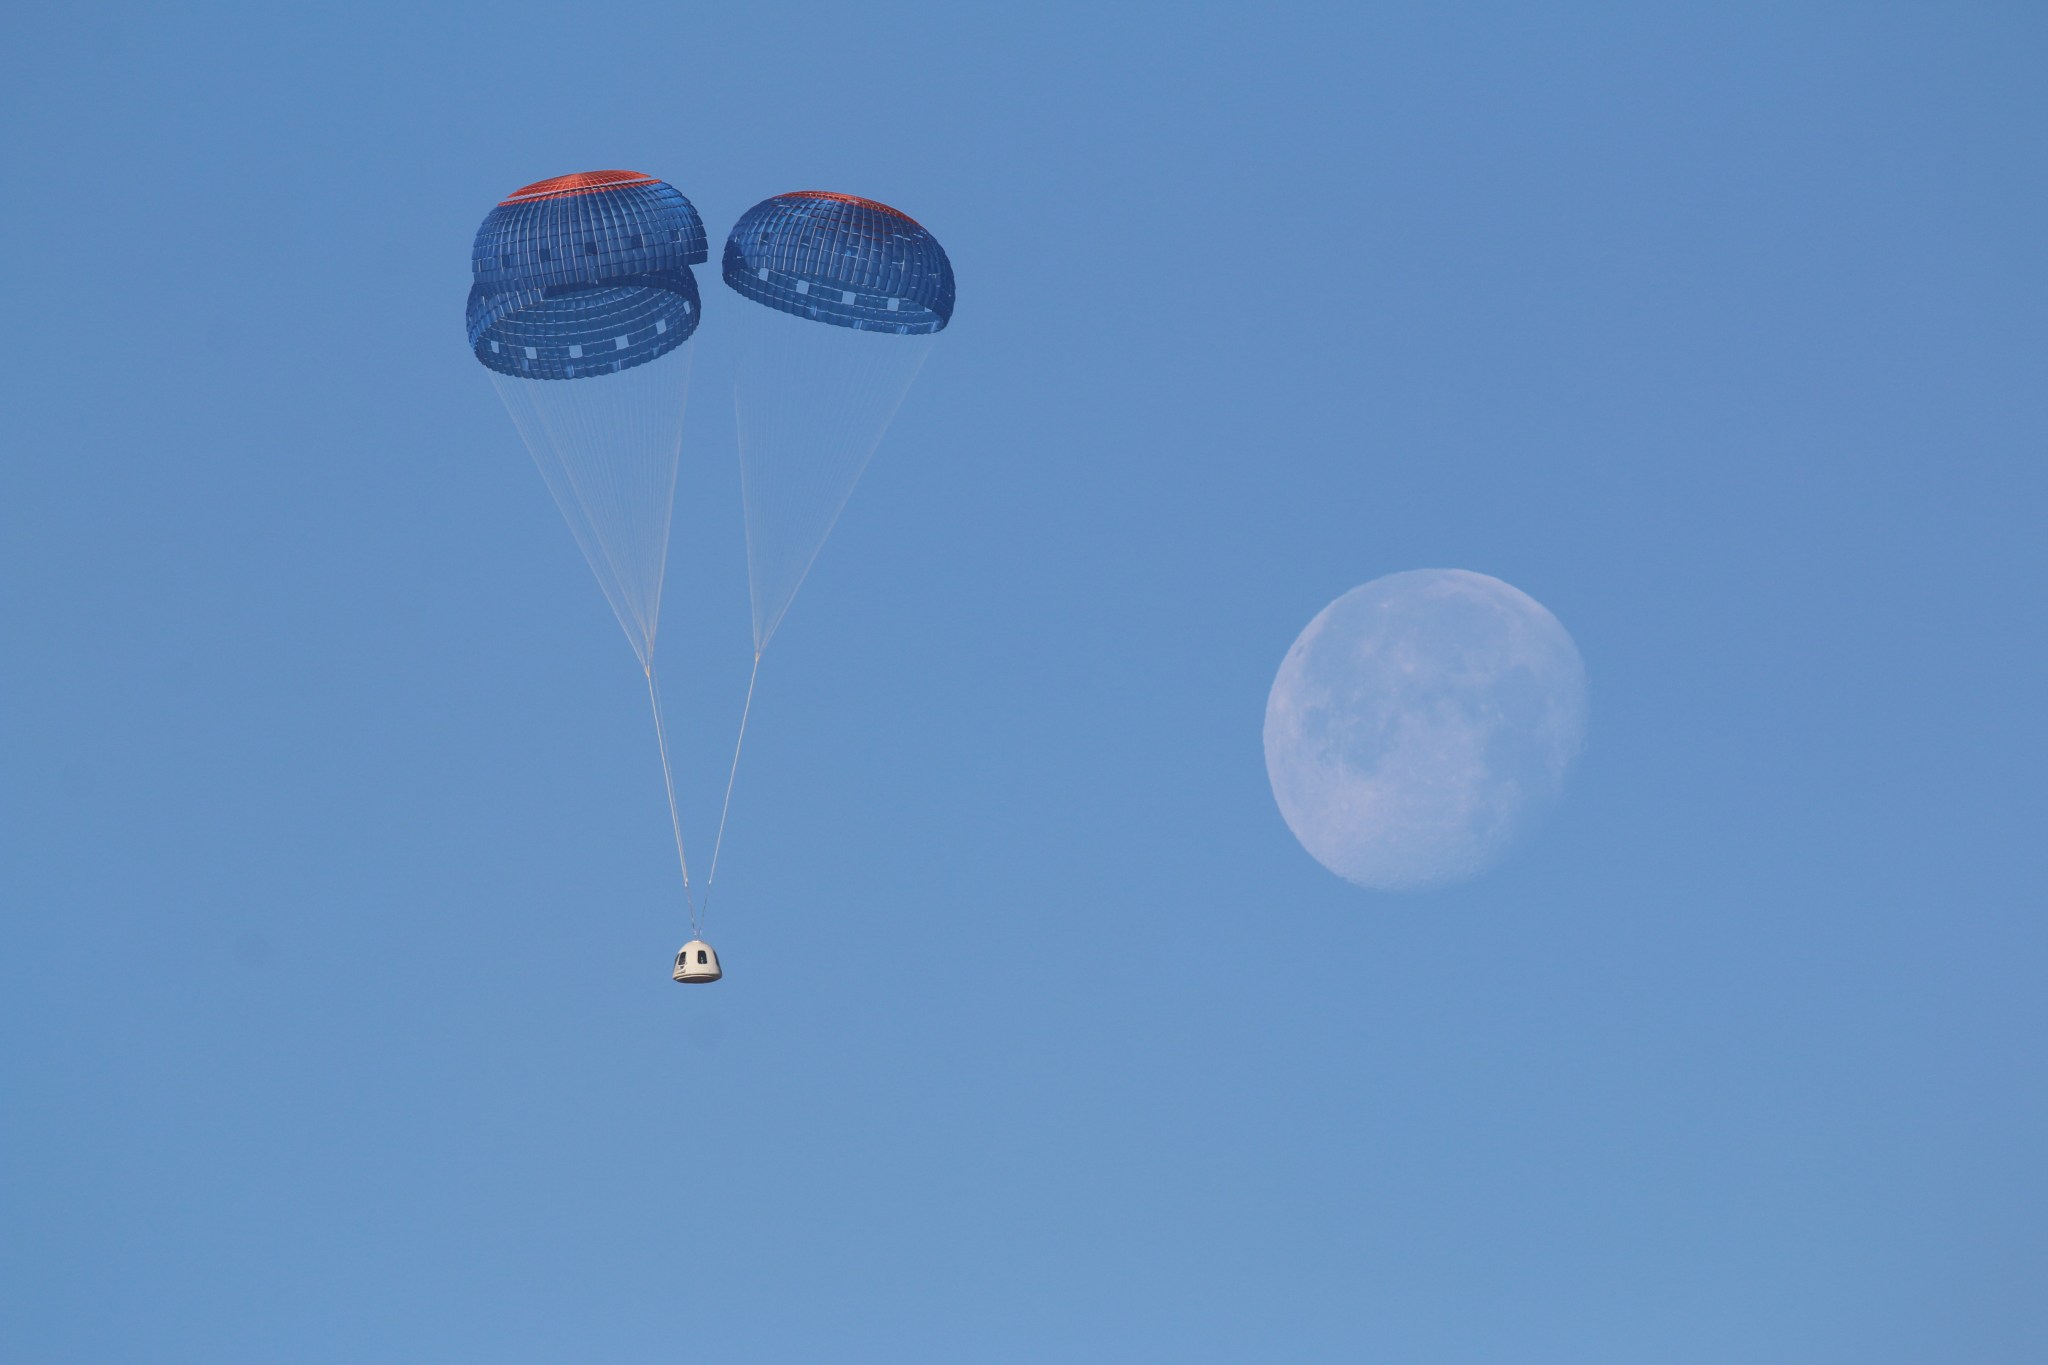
(844, 296)
(582, 308)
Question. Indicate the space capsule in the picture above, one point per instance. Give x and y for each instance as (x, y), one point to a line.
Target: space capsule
(697, 964)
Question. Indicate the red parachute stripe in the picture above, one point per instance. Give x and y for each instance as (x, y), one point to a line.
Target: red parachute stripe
(583, 182)
(849, 199)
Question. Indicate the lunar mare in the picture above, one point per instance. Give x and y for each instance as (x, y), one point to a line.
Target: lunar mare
(1420, 723)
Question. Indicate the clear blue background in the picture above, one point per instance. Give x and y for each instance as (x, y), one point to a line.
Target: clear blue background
(339, 903)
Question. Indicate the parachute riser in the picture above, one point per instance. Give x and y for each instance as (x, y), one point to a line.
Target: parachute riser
(725, 808)
(675, 817)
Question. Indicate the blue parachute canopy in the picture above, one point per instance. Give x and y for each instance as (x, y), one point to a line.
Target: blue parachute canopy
(843, 260)
(585, 274)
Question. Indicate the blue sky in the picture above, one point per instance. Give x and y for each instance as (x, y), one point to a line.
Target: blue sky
(339, 899)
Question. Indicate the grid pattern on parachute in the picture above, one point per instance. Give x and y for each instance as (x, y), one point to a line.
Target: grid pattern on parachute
(584, 275)
(842, 260)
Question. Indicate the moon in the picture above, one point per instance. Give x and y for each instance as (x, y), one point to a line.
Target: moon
(1420, 724)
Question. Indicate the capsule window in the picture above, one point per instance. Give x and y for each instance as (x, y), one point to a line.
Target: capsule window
(703, 956)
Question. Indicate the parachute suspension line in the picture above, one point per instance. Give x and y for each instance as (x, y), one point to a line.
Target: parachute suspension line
(608, 447)
(811, 403)
(726, 808)
(675, 817)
